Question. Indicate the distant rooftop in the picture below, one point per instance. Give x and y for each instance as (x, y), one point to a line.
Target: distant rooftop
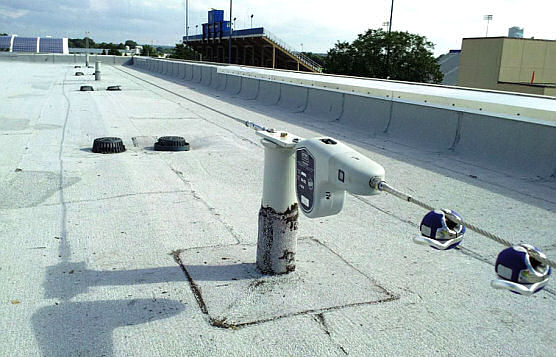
(449, 66)
(512, 38)
(509, 64)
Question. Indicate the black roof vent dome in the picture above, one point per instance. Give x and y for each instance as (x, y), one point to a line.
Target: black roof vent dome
(108, 145)
(171, 143)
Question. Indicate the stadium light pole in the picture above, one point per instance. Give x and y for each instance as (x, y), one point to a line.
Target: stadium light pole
(488, 18)
(187, 21)
(388, 42)
(87, 34)
(230, 39)
(251, 20)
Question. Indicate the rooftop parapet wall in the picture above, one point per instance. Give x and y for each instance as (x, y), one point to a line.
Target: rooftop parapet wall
(60, 58)
(508, 132)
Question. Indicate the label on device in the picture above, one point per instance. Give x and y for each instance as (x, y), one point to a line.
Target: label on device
(305, 179)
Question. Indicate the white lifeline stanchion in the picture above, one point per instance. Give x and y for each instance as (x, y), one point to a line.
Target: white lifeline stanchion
(277, 241)
(97, 71)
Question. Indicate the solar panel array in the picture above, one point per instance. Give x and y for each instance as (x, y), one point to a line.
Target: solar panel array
(25, 44)
(5, 42)
(51, 45)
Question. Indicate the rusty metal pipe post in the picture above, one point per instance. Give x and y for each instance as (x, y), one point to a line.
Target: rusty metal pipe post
(277, 236)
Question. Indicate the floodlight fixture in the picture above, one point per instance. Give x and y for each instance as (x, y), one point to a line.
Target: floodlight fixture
(230, 38)
(388, 42)
(488, 19)
(186, 21)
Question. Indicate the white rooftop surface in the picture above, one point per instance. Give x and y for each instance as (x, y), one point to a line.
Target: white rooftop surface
(89, 242)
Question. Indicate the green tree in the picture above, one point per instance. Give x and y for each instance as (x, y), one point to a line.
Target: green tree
(182, 52)
(76, 43)
(3, 34)
(410, 59)
(149, 50)
(341, 60)
(81, 43)
(315, 57)
(131, 44)
(115, 52)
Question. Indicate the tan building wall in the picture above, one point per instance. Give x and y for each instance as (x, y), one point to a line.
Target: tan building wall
(524, 88)
(508, 64)
(520, 58)
(479, 62)
(550, 92)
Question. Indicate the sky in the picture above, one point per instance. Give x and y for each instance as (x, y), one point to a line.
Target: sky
(317, 24)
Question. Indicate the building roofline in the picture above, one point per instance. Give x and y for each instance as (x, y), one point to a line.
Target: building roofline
(506, 37)
(527, 84)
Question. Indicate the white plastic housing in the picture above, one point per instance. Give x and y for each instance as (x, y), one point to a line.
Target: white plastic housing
(325, 170)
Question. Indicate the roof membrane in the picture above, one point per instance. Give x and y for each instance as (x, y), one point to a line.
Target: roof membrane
(151, 253)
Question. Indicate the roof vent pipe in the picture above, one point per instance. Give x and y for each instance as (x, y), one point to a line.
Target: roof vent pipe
(97, 71)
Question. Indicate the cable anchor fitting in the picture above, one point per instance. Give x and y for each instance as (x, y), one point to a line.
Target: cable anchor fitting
(520, 270)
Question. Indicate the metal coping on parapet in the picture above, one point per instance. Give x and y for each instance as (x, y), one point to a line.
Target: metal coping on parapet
(539, 115)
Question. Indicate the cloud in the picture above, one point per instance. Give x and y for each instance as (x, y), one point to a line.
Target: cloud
(12, 13)
(154, 21)
(318, 24)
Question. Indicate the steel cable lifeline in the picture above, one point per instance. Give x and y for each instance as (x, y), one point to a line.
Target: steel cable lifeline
(383, 186)
(521, 269)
